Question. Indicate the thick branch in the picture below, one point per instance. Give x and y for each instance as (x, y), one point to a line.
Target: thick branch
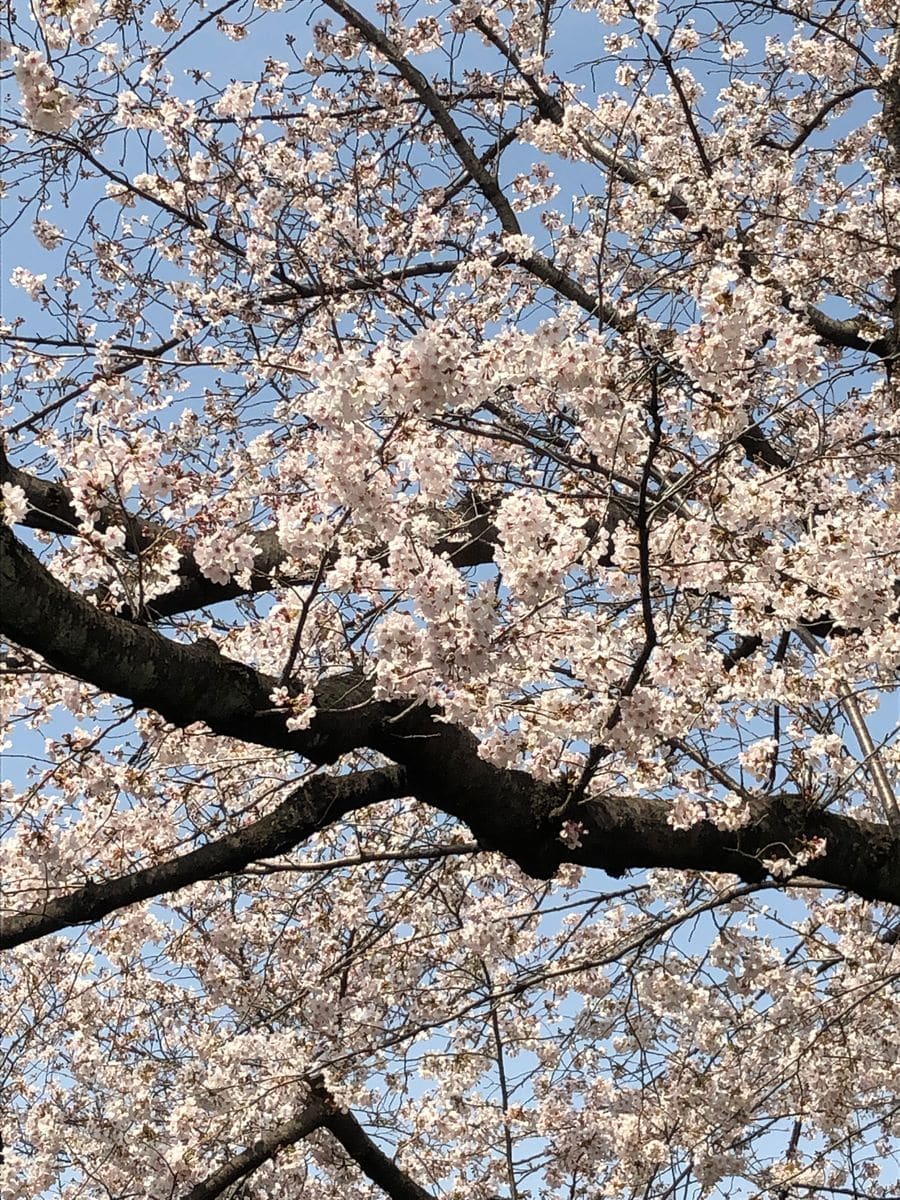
(320, 1113)
(511, 812)
(310, 1119)
(469, 541)
(182, 683)
(861, 856)
(315, 804)
(382, 1170)
(507, 810)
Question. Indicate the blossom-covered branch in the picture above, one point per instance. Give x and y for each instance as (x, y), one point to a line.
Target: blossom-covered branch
(307, 1121)
(507, 810)
(312, 806)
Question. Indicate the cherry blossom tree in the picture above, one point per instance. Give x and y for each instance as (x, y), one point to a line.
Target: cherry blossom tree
(451, 600)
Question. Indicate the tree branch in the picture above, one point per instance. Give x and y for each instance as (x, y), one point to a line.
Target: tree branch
(320, 1113)
(470, 161)
(843, 333)
(316, 803)
(507, 810)
(264, 1148)
(469, 541)
(373, 1162)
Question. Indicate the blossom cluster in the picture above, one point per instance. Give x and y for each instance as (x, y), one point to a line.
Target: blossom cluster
(48, 106)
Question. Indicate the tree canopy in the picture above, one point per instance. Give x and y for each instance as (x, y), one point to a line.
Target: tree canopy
(450, 592)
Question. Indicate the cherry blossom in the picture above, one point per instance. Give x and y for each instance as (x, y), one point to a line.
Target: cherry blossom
(450, 605)
(47, 105)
